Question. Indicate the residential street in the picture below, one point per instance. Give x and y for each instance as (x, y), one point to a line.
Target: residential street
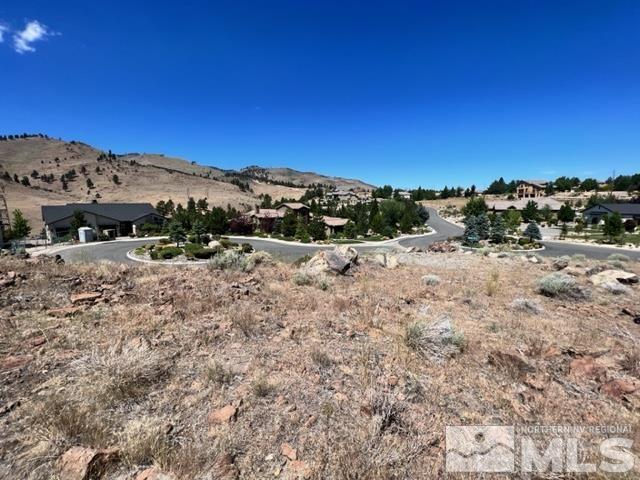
(117, 251)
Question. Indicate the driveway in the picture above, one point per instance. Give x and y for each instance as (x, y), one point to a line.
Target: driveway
(117, 251)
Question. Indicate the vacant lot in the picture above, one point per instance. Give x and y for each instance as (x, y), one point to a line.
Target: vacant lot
(205, 373)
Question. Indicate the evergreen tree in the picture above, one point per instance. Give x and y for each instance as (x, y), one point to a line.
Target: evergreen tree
(406, 222)
(302, 233)
(176, 232)
(198, 230)
(470, 236)
(566, 213)
(483, 226)
(89, 183)
(475, 206)
(289, 224)
(377, 224)
(533, 231)
(317, 229)
(77, 221)
(498, 229)
(350, 230)
(530, 212)
(20, 227)
(613, 226)
(115, 179)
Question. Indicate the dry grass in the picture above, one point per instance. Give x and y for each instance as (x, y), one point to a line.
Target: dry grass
(361, 379)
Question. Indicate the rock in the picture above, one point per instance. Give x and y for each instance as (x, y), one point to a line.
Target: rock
(392, 380)
(14, 361)
(222, 415)
(288, 451)
(81, 463)
(224, 467)
(213, 244)
(510, 360)
(297, 469)
(561, 263)
(391, 261)
(442, 247)
(85, 297)
(154, 473)
(587, 367)
(616, 288)
(618, 387)
(65, 311)
(533, 259)
(38, 341)
(339, 261)
(607, 276)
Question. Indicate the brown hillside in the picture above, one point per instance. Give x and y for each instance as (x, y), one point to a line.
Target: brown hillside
(143, 178)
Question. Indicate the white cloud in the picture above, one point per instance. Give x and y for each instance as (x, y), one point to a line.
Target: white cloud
(2, 30)
(33, 31)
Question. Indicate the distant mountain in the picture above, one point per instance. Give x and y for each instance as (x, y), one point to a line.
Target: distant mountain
(59, 171)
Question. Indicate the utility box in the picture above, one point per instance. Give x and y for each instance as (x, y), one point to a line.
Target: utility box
(85, 234)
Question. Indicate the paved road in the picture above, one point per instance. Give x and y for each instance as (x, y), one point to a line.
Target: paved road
(117, 251)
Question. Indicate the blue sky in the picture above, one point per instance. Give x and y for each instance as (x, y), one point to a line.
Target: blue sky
(407, 93)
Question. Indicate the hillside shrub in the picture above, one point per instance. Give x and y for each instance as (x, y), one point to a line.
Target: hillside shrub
(246, 248)
(560, 285)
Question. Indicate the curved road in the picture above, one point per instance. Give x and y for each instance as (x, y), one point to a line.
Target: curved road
(117, 251)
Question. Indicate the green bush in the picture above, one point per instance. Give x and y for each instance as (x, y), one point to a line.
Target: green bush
(168, 253)
(226, 243)
(164, 241)
(206, 253)
(247, 248)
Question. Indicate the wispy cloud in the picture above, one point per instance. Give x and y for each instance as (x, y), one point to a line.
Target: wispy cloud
(3, 29)
(33, 31)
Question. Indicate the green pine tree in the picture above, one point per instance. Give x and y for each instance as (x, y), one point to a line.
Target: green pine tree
(20, 227)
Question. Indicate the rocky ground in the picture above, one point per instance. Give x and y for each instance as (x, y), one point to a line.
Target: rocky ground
(265, 370)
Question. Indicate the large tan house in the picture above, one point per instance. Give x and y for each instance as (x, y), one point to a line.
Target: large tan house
(531, 188)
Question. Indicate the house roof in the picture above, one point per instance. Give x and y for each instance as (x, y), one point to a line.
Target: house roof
(266, 213)
(294, 206)
(537, 183)
(621, 208)
(501, 205)
(122, 212)
(334, 221)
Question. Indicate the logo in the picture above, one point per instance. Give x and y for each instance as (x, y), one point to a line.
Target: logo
(480, 449)
(539, 448)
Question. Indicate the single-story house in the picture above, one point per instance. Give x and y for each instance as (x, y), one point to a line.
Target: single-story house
(344, 196)
(300, 209)
(265, 218)
(531, 188)
(628, 211)
(123, 218)
(334, 224)
(504, 205)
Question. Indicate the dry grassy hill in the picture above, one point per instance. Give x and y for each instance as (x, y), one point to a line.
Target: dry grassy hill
(141, 178)
(253, 375)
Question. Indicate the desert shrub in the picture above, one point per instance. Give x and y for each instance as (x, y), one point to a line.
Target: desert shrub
(246, 248)
(430, 280)
(321, 359)
(578, 257)
(230, 260)
(144, 441)
(262, 388)
(562, 286)
(493, 282)
(154, 254)
(386, 410)
(260, 257)
(168, 253)
(116, 375)
(526, 305)
(616, 264)
(436, 340)
(302, 278)
(618, 257)
(218, 374)
(524, 241)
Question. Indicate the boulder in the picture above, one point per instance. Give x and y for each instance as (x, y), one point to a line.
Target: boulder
(561, 263)
(339, 261)
(82, 463)
(222, 415)
(213, 244)
(619, 387)
(154, 473)
(607, 276)
(85, 297)
(442, 247)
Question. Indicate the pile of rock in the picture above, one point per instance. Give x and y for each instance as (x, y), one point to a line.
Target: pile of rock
(339, 261)
(443, 247)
